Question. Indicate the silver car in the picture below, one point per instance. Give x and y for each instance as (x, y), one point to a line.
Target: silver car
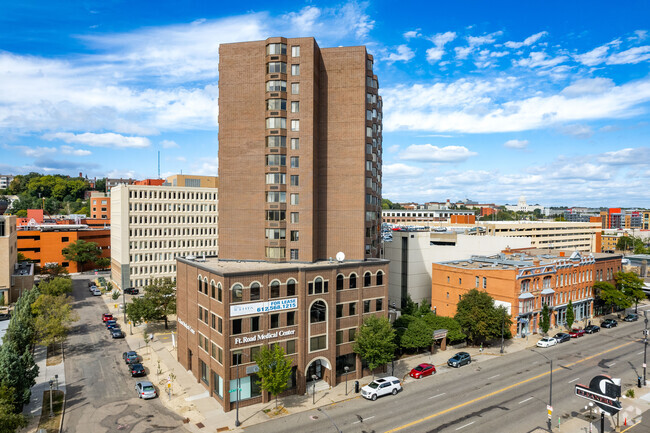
(145, 389)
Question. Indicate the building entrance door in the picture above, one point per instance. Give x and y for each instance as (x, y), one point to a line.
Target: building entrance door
(315, 369)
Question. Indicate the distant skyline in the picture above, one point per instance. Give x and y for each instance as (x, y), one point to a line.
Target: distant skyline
(482, 100)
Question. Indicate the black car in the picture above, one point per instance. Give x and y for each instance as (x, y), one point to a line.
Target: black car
(459, 359)
(591, 329)
(117, 333)
(131, 291)
(5, 316)
(609, 323)
(631, 318)
(130, 357)
(137, 370)
(561, 337)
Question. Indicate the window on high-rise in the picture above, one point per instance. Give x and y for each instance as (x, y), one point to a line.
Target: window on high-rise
(295, 162)
(295, 69)
(295, 199)
(276, 197)
(276, 86)
(276, 178)
(295, 125)
(294, 180)
(295, 51)
(276, 122)
(276, 104)
(276, 141)
(295, 88)
(295, 235)
(294, 254)
(272, 49)
(275, 233)
(276, 160)
(295, 143)
(295, 217)
(276, 68)
(275, 252)
(295, 106)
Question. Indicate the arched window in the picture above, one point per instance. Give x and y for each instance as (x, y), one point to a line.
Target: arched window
(367, 279)
(339, 282)
(255, 292)
(318, 312)
(291, 287)
(275, 289)
(237, 292)
(200, 283)
(318, 285)
(205, 285)
(353, 281)
(380, 278)
(213, 289)
(219, 293)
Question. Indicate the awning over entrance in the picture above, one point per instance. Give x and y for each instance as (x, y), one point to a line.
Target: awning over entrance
(548, 291)
(526, 295)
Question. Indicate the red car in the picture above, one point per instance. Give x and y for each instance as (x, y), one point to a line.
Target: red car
(422, 370)
(106, 317)
(575, 333)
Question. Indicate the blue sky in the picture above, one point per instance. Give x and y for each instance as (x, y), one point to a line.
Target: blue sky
(482, 100)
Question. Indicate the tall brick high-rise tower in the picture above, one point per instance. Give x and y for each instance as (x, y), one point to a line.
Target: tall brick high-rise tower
(299, 152)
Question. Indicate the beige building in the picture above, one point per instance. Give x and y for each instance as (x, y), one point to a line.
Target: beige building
(152, 225)
(299, 151)
(193, 181)
(14, 277)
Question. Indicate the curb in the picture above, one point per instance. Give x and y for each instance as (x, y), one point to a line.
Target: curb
(65, 396)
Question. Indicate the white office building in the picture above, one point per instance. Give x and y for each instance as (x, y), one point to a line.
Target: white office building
(152, 225)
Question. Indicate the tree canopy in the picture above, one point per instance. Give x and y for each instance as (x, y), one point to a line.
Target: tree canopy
(56, 286)
(375, 342)
(275, 369)
(55, 193)
(82, 252)
(159, 301)
(631, 286)
(53, 316)
(570, 315)
(480, 319)
(610, 296)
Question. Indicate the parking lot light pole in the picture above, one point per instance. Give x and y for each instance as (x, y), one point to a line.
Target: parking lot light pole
(313, 392)
(347, 369)
(51, 410)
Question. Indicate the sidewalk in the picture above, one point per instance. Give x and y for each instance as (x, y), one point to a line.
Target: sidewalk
(33, 410)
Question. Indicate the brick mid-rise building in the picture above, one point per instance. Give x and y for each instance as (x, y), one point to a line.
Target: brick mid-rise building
(300, 184)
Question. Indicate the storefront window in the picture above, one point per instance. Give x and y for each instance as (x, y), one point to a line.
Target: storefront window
(249, 388)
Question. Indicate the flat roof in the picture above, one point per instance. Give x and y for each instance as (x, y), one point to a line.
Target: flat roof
(238, 267)
(523, 258)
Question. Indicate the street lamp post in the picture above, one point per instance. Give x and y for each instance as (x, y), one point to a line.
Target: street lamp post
(550, 386)
(313, 389)
(331, 420)
(503, 322)
(51, 410)
(237, 423)
(347, 369)
(645, 344)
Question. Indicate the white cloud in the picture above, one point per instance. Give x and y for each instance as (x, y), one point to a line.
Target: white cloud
(471, 106)
(412, 34)
(473, 42)
(439, 41)
(107, 139)
(401, 170)
(462, 52)
(69, 150)
(394, 148)
(516, 144)
(530, 40)
(628, 156)
(594, 57)
(206, 166)
(403, 54)
(168, 144)
(631, 56)
(589, 86)
(430, 153)
(35, 152)
(577, 130)
(539, 59)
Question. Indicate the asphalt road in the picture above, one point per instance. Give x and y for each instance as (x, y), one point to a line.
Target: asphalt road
(101, 395)
(506, 394)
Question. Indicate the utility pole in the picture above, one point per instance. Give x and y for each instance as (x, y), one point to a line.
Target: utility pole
(502, 325)
(645, 344)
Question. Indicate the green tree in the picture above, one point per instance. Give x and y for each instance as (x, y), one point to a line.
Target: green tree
(18, 371)
(56, 286)
(545, 320)
(478, 317)
(141, 310)
(611, 297)
(275, 369)
(161, 294)
(631, 286)
(375, 342)
(53, 270)
(387, 204)
(418, 335)
(454, 332)
(10, 418)
(100, 185)
(103, 262)
(20, 331)
(82, 252)
(21, 257)
(53, 317)
(570, 316)
(625, 243)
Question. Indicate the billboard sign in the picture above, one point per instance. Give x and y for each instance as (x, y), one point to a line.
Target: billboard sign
(263, 307)
(603, 391)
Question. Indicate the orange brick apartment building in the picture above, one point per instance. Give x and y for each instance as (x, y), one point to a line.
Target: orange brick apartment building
(523, 281)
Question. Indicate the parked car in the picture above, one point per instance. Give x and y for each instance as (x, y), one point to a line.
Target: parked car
(547, 342)
(459, 359)
(379, 387)
(575, 333)
(5, 316)
(422, 370)
(631, 318)
(131, 291)
(117, 333)
(92, 287)
(130, 357)
(592, 329)
(110, 322)
(107, 317)
(137, 370)
(96, 292)
(609, 323)
(145, 390)
(561, 337)
(113, 326)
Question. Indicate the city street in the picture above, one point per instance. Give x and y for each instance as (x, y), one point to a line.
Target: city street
(506, 394)
(101, 395)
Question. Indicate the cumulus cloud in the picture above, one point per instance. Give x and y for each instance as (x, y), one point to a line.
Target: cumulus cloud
(412, 34)
(627, 156)
(430, 153)
(439, 41)
(530, 40)
(69, 150)
(108, 139)
(577, 130)
(168, 144)
(399, 170)
(539, 59)
(516, 144)
(403, 54)
(594, 57)
(631, 56)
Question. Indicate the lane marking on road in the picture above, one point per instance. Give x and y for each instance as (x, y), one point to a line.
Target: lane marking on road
(571, 381)
(499, 391)
(492, 377)
(466, 425)
(611, 365)
(524, 401)
(640, 353)
(365, 419)
(439, 395)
